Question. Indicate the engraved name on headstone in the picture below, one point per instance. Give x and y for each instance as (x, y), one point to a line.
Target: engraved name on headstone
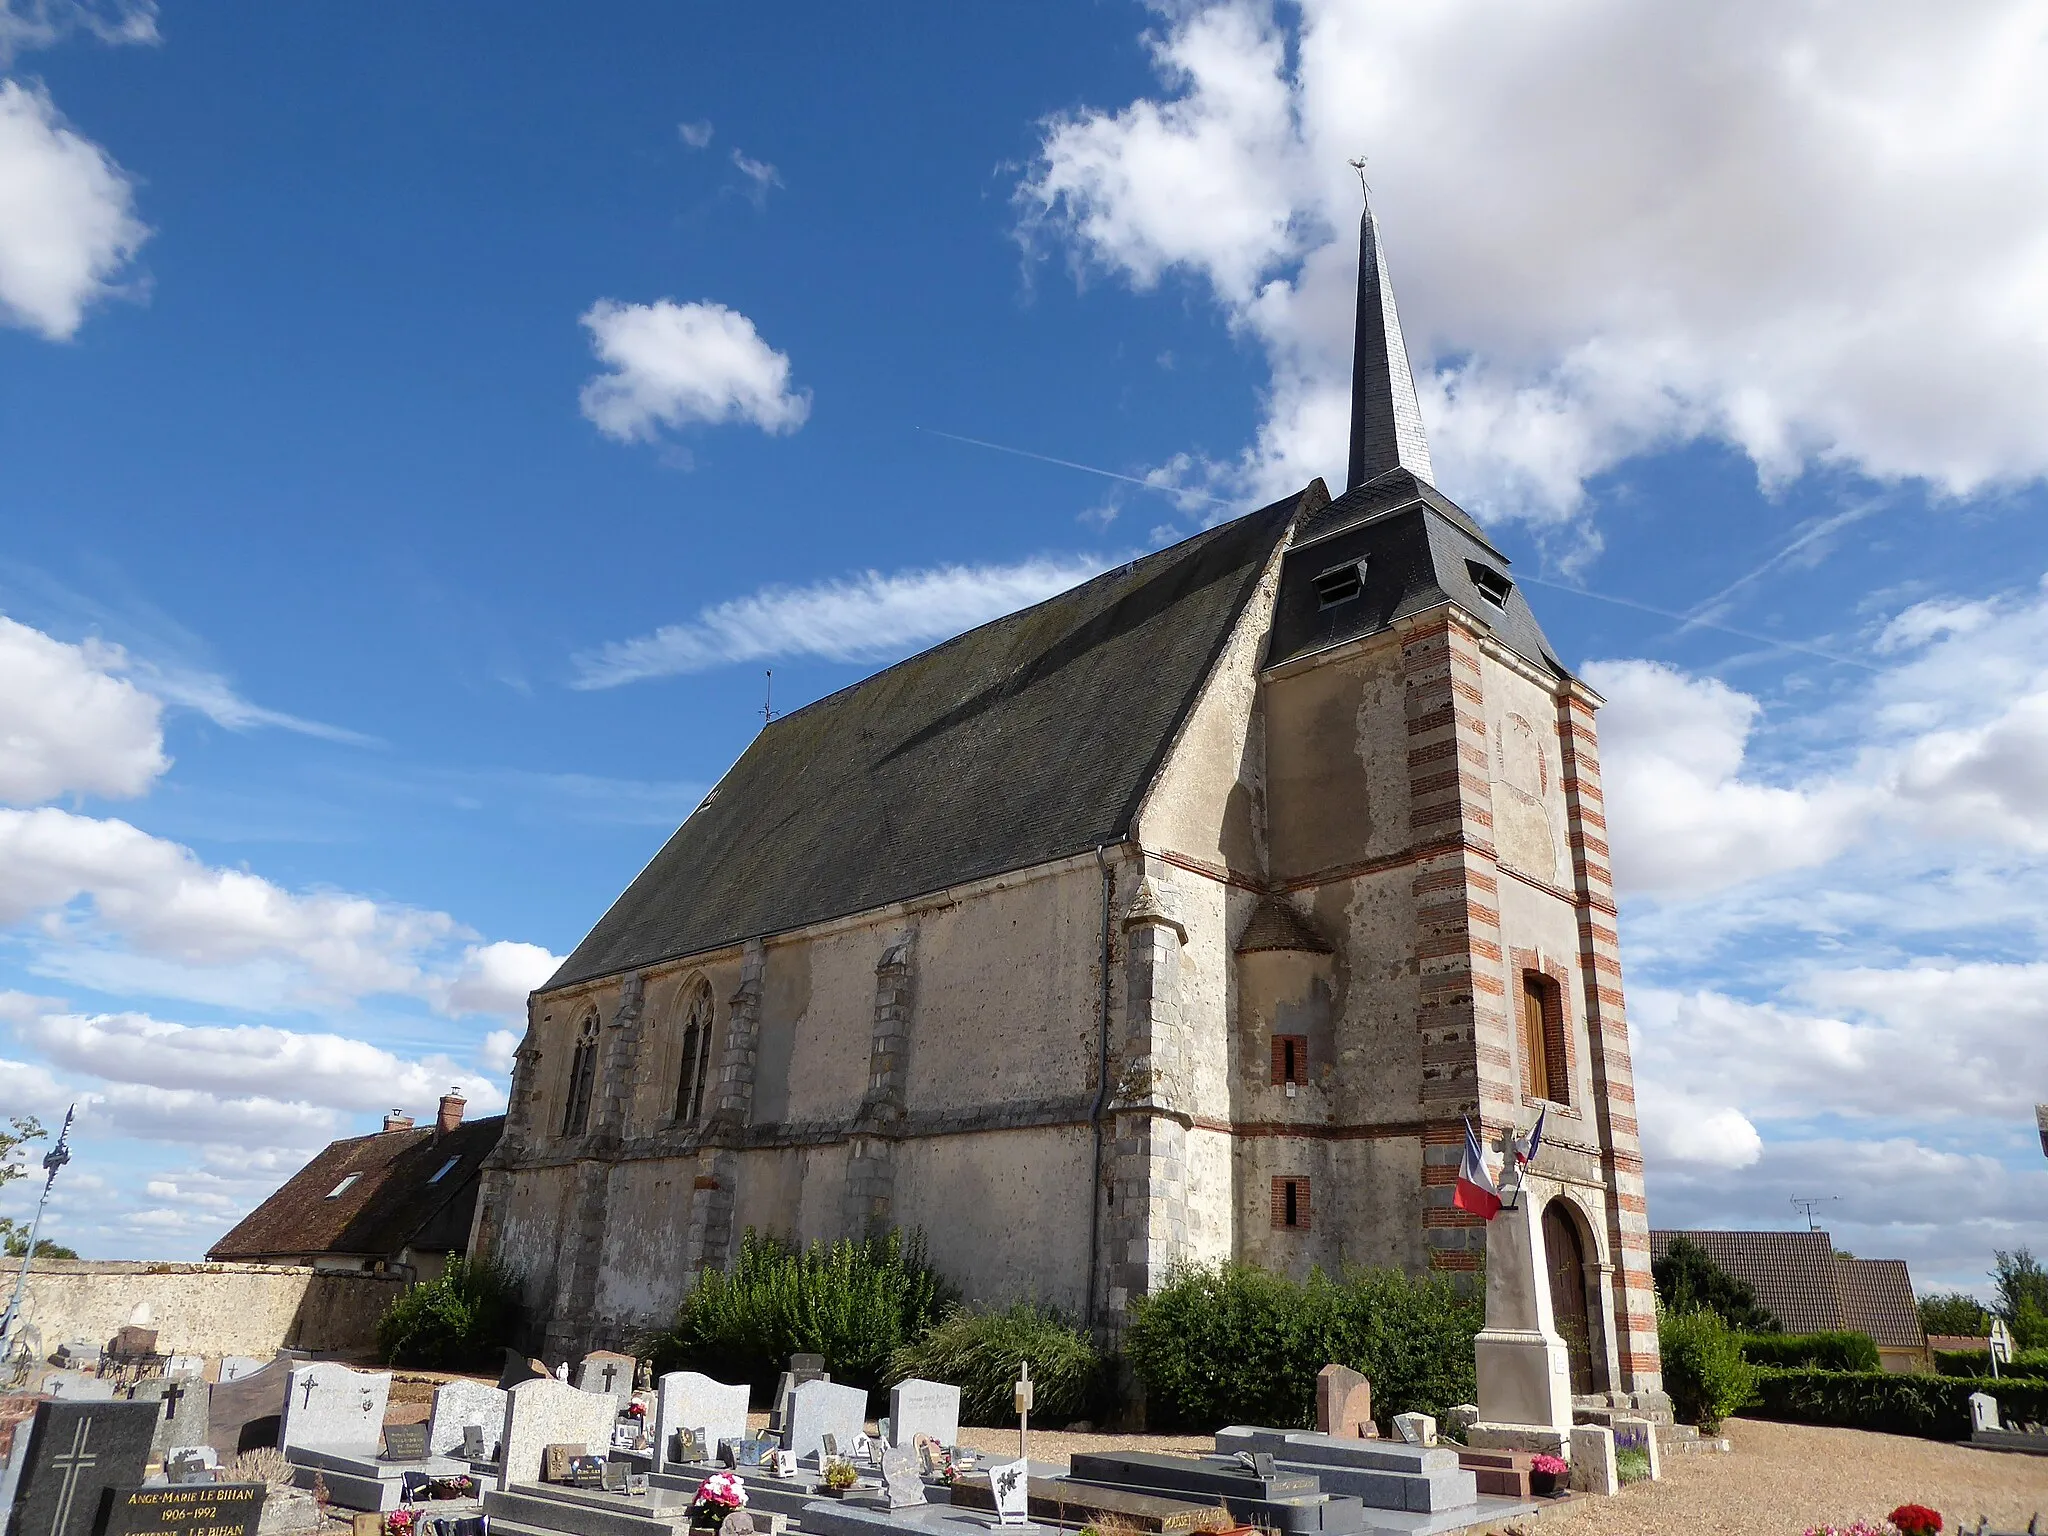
(404, 1442)
(332, 1408)
(213, 1509)
(919, 1407)
(900, 1478)
(691, 1400)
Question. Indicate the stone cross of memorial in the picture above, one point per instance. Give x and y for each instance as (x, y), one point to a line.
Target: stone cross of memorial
(75, 1452)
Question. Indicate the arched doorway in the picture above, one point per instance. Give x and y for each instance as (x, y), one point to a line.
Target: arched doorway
(1565, 1253)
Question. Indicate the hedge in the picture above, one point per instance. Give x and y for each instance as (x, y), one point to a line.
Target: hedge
(1931, 1407)
(980, 1352)
(459, 1321)
(1818, 1351)
(1232, 1344)
(1977, 1362)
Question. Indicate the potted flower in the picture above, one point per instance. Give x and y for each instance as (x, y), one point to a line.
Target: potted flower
(1547, 1474)
(840, 1477)
(401, 1522)
(1916, 1520)
(717, 1496)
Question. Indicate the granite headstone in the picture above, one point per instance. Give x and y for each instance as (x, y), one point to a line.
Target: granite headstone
(918, 1407)
(459, 1405)
(332, 1408)
(543, 1413)
(404, 1442)
(247, 1412)
(75, 1453)
(1010, 1481)
(213, 1509)
(609, 1372)
(900, 1478)
(181, 1411)
(1344, 1403)
(690, 1400)
(77, 1387)
(821, 1408)
(518, 1368)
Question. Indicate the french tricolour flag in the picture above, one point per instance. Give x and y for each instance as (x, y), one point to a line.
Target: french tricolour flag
(1476, 1191)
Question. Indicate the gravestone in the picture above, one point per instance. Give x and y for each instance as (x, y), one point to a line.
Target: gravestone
(900, 1478)
(1010, 1482)
(404, 1442)
(75, 1453)
(609, 1372)
(918, 1407)
(235, 1367)
(460, 1405)
(193, 1366)
(247, 1413)
(748, 1453)
(77, 1387)
(520, 1368)
(821, 1408)
(77, 1355)
(474, 1447)
(1344, 1403)
(543, 1413)
(558, 1461)
(1983, 1412)
(332, 1408)
(691, 1400)
(1593, 1465)
(828, 1447)
(690, 1447)
(802, 1368)
(191, 1464)
(181, 1415)
(212, 1509)
(1415, 1428)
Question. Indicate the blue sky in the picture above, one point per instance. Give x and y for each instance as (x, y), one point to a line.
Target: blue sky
(417, 438)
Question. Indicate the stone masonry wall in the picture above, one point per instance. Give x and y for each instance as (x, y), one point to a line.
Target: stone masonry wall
(210, 1309)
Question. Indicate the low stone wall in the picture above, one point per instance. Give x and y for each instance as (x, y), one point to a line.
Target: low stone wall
(208, 1309)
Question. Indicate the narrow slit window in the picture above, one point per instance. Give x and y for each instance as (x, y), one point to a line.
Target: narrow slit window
(1290, 1205)
(343, 1187)
(1339, 584)
(1492, 585)
(582, 1079)
(1545, 1071)
(1290, 1059)
(696, 1058)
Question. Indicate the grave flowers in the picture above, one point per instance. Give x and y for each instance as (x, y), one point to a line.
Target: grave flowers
(717, 1496)
(1916, 1520)
(1547, 1474)
(840, 1476)
(401, 1522)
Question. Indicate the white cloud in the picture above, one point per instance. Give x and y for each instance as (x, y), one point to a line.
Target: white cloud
(67, 217)
(215, 697)
(1810, 231)
(673, 364)
(26, 24)
(697, 135)
(857, 618)
(1682, 1131)
(69, 724)
(495, 978)
(1680, 815)
(276, 1072)
(760, 173)
(500, 1048)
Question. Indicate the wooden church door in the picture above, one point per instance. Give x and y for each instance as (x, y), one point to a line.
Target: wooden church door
(1567, 1260)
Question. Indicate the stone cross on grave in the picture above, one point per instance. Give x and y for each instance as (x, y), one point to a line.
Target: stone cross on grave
(308, 1384)
(172, 1392)
(72, 1464)
(611, 1372)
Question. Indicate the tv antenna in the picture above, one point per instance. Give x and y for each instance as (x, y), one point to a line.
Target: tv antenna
(768, 699)
(1806, 1207)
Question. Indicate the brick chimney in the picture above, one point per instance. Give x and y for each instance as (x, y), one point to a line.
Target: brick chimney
(452, 1106)
(398, 1120)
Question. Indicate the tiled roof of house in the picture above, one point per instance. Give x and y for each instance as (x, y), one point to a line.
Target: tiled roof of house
(393, 1195)
(1975, 1343)
(1028, 739)
(1877, 1298)
(1792, 1273)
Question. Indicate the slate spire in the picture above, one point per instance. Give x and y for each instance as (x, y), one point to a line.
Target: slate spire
(1386, 421)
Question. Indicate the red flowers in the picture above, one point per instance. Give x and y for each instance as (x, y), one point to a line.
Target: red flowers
(1550, 1466)
(1916, 1520)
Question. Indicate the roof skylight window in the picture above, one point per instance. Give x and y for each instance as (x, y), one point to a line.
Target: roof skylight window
(1339, 584)
(1492, 585)
(343, 1187)
(444, 1170)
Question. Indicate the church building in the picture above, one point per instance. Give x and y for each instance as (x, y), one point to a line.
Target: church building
(1184, 916)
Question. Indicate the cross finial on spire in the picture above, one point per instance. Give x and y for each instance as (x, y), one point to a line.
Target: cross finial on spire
(1386, 418)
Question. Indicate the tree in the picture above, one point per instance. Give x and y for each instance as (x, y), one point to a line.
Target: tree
(2022, 1296)
(26, 1128)
(1956, 1313)
(15, 1239)
(1688, 1279)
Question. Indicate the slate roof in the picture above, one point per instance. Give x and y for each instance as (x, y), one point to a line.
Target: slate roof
(1797, 1276)
(395, 1201)
(1026, 740)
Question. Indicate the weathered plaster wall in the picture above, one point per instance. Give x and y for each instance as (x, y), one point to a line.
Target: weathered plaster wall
(210, 1309)
(1005, 1215)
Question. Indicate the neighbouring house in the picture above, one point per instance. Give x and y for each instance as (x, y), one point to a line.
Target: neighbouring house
(399, 1201)
(1184, 916)
(1810, 1288)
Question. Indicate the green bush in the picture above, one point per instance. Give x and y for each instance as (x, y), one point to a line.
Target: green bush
(855, 1303)
(1631, 1466)
(1977, 1362)
(1932, 1407)
(458, 1322)
(979, 1352)
(1704, 1370)
(1953, 1312)
(1232, 1344)
(1818, 1351)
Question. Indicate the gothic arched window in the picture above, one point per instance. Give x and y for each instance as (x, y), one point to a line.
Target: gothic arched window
(582, 1078)
(696, 1068)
